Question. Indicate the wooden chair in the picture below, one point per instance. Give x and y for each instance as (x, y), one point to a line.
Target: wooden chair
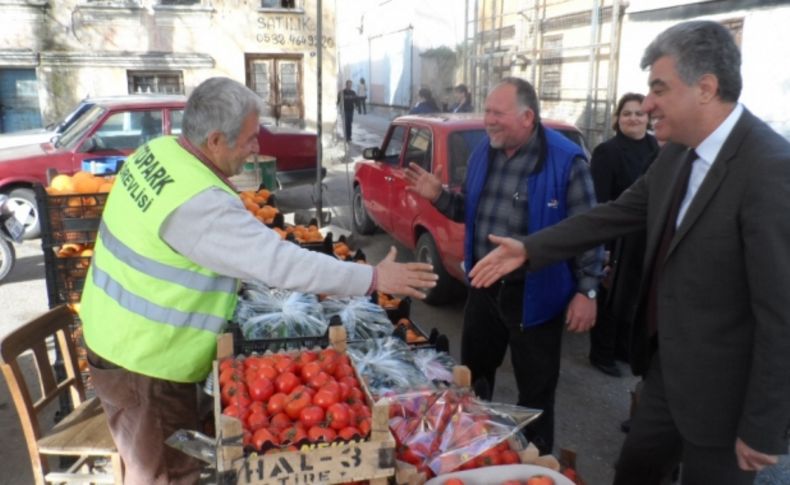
(83, 434)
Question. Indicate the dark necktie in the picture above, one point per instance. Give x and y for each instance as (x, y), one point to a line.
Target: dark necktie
(681, 186)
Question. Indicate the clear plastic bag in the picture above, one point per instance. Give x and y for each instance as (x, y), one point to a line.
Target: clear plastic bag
(266, 313)
(442, 430)
(437, 366)
(387, 366)
(362, 318)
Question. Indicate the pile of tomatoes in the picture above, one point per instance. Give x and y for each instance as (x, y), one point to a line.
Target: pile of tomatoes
(535, 480)
(286, 400)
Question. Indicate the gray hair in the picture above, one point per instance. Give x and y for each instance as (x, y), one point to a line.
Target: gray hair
(525, 95)
(698, 48)
(219, 104)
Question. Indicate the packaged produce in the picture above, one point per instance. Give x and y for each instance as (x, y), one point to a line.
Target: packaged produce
(266, 313)
(361, 318)
(445, 430)
(387, 366)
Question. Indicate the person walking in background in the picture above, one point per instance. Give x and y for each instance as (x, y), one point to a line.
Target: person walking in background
(615, 165)
(463, 100)
(521, 177)
(348, 98)
(362, 94)
(715, 332)
(426, 104)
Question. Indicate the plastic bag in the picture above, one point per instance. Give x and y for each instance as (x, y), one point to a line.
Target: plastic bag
(387, 366)
(440, 431)
(266, 313)
(361, 318)
(437, 366)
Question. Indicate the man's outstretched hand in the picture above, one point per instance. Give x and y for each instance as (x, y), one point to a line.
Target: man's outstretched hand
(404, 278)
(423, 182)
(508, 256)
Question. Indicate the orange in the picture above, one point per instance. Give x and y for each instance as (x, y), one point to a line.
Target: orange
(87, 184)
(62, 183)
(105, 187)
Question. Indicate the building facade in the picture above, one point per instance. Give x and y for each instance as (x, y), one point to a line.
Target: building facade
(55, 53)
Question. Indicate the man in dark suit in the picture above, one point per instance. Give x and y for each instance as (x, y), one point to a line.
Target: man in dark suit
(716, 326)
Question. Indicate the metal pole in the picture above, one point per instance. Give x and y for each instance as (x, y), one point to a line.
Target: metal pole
(466, 39)
(591, 67)
(319, 119)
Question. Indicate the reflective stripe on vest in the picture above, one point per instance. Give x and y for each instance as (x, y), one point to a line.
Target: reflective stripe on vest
(183, 277)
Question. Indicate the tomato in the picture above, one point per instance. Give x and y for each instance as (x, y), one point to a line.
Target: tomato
(350, 381)
(310, 370)
(302, 388)
(509, 457)
(296, 402)
(324, 398)
(337, 416)
(361, 410)
(231, 389)
(246, 439)
(364, 426)
(262, 437)
(280, 421)
(241, 399)
(256, 421)
(258, 407)
(230, 375)
(489, 458)
(311, 416)
(229, 363)
(292, 435)
(286, 364)
(329, 360)
(356, 394)
(349, 433)
(333, 387)
(306, 356)
(237, 412)
(251, 362)
(261, 389)
(343, 370)
(276, 403)
(267, 371)
(286, 382)
(321, 433)
(319, 380)
(453, 481)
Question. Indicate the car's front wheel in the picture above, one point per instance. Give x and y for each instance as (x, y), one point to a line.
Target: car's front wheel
(26, 211)
(426, 252)
(363, 224)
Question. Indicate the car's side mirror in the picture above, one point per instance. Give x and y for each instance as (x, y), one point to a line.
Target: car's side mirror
(372, 153)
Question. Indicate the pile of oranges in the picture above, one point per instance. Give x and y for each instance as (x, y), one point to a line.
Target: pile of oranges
(79, 183)
(257, 202)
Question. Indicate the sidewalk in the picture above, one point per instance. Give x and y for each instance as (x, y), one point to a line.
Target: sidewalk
(367, 130)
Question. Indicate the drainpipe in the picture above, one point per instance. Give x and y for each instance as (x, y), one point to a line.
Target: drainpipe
(319, 119)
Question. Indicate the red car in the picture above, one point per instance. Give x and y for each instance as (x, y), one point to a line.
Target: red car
(109, 129)
(380, 198)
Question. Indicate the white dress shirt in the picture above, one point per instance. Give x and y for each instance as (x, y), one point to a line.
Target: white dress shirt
(707, 151)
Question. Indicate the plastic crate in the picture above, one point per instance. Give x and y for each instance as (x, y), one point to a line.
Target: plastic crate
(65, 277)
(73, 218)
(243, 346)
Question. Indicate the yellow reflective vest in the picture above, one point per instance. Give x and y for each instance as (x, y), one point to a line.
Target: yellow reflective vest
(144, 306)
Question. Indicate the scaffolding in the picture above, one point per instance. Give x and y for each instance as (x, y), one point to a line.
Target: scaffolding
(568, 49)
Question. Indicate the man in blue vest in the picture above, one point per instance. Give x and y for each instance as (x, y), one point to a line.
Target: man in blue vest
(521, 178)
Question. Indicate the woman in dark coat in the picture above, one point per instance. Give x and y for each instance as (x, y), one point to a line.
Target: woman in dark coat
(615, 165)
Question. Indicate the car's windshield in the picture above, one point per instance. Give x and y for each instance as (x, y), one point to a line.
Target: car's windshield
(76, 132)
(459, 146)
(72, 117)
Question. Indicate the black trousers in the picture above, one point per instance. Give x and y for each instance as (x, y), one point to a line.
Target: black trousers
(348, 118)
(654, 446)
(492, 322)
(609, 337)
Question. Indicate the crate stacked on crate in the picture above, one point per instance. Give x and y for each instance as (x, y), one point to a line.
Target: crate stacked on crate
(70, 210)
(286, 416)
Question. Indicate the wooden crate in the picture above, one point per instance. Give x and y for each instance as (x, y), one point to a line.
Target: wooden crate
(372, 459)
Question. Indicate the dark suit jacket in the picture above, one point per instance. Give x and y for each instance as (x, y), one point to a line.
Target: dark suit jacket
(724, 294)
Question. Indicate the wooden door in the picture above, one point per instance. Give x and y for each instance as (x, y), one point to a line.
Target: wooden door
(278, 81)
